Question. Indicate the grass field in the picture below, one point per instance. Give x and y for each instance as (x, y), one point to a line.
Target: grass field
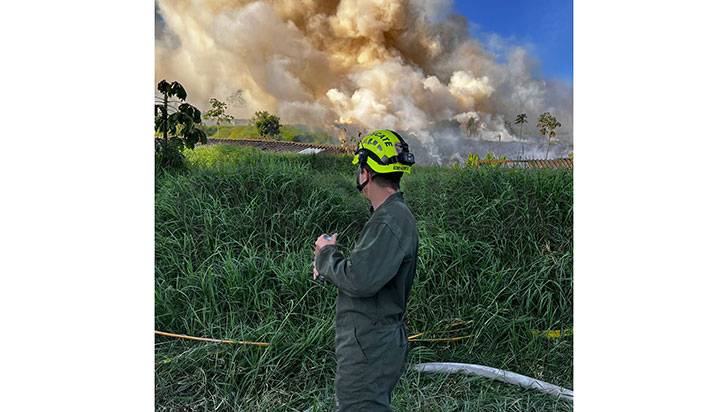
(288, 133)
(234, 243)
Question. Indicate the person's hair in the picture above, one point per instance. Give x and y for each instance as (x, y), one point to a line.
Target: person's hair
(390, 180)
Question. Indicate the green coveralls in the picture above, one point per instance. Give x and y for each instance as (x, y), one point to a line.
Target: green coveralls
(374, 284)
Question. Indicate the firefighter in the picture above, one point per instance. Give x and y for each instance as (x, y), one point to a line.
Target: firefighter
(374, 282)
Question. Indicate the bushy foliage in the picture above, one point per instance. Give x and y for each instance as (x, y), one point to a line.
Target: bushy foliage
(490, 160)
(473, 160)
(547, 125)
(176, 125)
(268, 125)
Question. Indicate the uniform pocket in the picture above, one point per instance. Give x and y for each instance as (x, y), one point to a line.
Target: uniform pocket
(380, 343)
(359, 346)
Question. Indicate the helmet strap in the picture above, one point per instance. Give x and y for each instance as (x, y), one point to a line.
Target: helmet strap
(362, 162)
(360, 186)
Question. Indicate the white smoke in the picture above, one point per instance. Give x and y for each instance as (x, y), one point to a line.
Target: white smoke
(405, 65)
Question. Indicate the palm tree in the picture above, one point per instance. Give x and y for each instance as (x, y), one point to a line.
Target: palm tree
(521, 119)
(547, 125)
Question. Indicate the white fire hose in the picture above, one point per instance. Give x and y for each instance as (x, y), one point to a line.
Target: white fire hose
(497, 374)
(493, 373)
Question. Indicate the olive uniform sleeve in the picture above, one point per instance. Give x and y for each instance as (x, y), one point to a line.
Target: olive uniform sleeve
(374, 261)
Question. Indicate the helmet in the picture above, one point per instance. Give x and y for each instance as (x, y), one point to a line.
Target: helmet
(385, 151)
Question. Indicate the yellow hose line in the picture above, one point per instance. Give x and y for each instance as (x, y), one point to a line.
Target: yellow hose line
(241, 342)
(412, 338)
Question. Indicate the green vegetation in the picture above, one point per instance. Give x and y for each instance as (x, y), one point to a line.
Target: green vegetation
(176, 125)
(234, 244)
(268, 125)
(547, 125)
(490, 160)
(217, 113)
(288, 133)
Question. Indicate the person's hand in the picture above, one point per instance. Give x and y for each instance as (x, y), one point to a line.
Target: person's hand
(322, 241)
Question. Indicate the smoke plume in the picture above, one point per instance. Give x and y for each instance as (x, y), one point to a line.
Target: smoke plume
(407, 65)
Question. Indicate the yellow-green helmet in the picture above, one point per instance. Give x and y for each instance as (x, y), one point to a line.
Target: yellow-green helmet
(385, 151)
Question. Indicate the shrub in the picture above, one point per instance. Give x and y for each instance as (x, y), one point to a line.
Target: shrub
(176, 125)
(268, 125)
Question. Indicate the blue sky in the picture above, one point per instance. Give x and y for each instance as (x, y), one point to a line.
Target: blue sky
(545, 27)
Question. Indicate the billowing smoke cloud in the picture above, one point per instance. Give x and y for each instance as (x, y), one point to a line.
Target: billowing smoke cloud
(406, 65)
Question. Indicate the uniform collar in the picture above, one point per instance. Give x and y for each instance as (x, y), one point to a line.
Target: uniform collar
(394, 197)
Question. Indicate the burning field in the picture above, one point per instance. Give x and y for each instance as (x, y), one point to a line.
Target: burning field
(413, 66)
(234, 242)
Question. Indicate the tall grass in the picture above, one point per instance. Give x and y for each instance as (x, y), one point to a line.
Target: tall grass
(234, 243)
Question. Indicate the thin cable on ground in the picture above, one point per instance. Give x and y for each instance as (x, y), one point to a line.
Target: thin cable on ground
(449, 328)
(240, 342)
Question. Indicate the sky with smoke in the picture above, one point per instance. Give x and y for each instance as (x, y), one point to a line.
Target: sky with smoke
(412, 66)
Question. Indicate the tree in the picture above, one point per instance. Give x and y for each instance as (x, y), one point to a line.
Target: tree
(237, 98)
(177, 123)
(217, 112)
(520, 120)
(268, 125)
(472, 126)
(547, 125)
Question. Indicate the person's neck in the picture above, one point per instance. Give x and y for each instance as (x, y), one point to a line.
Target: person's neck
(378, 196)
